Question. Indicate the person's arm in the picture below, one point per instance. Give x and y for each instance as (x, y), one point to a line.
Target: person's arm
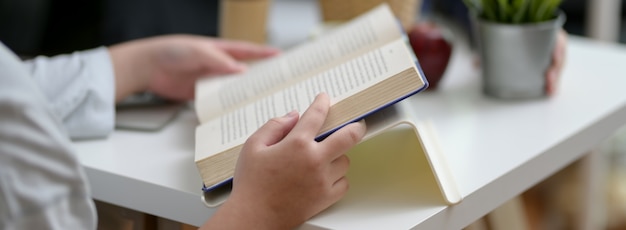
(79, 89)
(42, 184)
(82, 88)
(284, 177)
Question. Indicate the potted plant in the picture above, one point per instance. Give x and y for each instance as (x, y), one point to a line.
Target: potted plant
(515, 39)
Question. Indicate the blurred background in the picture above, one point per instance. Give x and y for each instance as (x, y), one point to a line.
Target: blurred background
(49, 27)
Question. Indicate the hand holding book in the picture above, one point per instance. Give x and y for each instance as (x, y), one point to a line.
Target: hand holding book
(364, 66)
(281, 166)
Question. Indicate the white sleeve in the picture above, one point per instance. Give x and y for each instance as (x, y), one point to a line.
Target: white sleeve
(42, 184)
(80, 89)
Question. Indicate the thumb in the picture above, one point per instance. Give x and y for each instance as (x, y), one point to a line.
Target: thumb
(274, 130)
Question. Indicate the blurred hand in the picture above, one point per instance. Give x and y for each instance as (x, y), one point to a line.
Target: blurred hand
(284, 177)
(170, 65)
(558, 61)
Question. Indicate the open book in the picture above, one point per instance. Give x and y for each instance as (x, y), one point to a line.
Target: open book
(400, 162)
(364, 65)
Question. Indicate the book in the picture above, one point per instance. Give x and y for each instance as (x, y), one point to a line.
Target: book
(400, 162)
(364, 65)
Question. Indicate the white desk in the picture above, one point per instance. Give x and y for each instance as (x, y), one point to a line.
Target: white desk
(496, 149)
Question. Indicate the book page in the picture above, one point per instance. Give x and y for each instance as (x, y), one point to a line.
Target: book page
(219, 95)
(339, 83)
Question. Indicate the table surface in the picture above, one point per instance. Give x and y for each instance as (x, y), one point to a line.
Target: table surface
(496, 149)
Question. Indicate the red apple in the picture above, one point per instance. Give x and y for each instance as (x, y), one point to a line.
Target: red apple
(432, 50)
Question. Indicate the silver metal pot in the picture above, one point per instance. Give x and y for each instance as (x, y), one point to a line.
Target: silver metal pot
(515, 57)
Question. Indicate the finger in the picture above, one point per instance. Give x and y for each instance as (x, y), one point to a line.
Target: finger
(241, 50)
(313, 118)
(558, 56)
(219, 61)
(559, 50)
(336, 191)
(274, 130)
(339, 189)
(339, 167)
(551, 81)
(343, 139)
(558, 60)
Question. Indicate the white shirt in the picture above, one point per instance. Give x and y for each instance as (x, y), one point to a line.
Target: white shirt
(42, 184)
(80, 89)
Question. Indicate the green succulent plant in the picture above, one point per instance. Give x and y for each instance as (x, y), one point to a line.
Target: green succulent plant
(514, 11)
